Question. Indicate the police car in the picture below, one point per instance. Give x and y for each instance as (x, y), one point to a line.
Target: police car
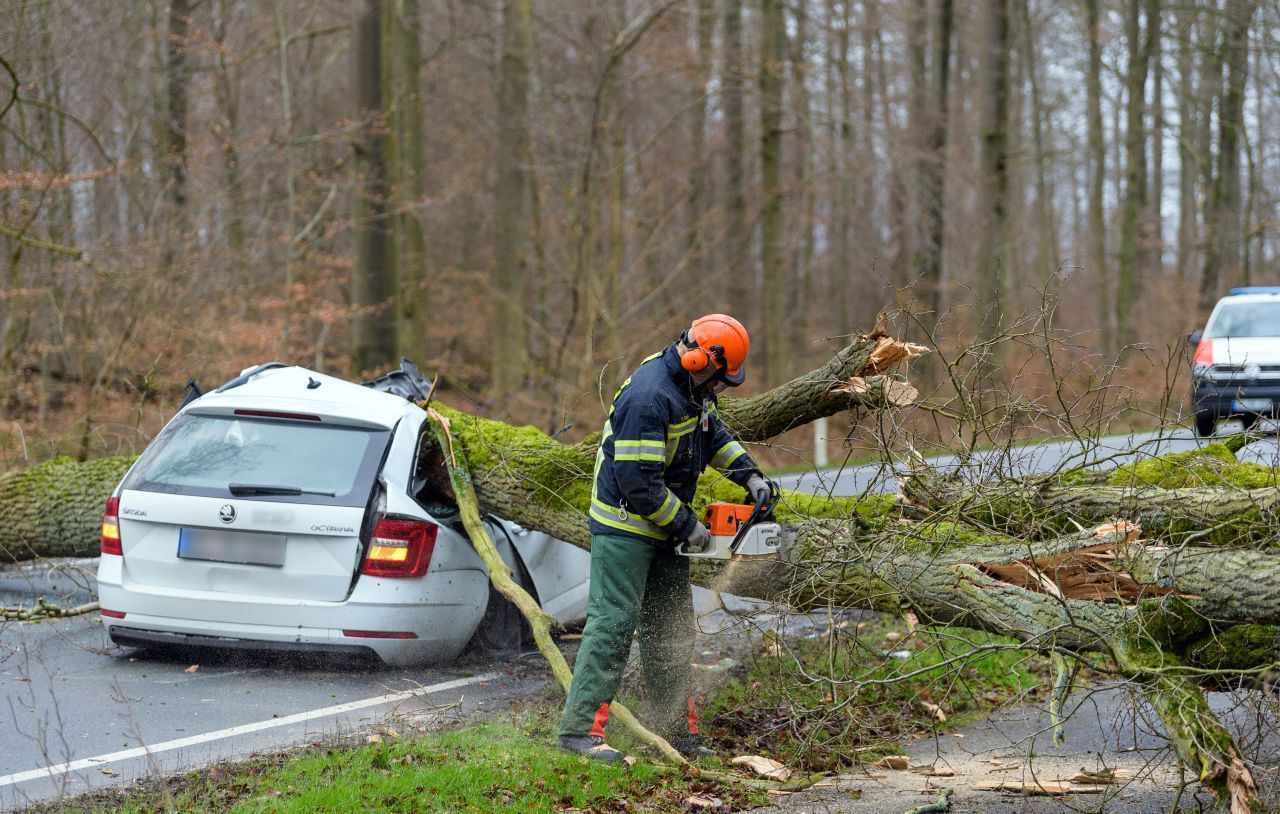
(287, 511)
(1235, 368)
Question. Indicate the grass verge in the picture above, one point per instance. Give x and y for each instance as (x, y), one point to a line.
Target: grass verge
(493, 766)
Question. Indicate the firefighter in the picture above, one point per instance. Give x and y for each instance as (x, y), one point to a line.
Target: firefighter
(662, 431)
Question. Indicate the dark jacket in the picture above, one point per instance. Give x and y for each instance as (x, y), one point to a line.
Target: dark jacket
(654, 446)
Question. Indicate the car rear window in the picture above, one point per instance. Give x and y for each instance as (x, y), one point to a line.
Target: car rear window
(205, 454)
(1246, 319)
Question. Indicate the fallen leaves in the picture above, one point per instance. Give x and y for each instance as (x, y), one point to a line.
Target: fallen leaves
(703, 802)
(935, 711)
(109, 772)
(898, 763)
(765, 767)
(192, 668)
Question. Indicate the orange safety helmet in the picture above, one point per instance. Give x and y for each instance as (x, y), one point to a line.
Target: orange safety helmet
(719, 341)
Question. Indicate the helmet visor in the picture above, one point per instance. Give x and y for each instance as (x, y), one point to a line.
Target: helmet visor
(733, 379)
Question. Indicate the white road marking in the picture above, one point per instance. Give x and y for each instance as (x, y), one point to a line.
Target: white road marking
(243, 729)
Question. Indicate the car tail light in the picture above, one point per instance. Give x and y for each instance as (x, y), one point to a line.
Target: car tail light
(400, 548)
(111, 527)
(111, 614)
(1204, 353)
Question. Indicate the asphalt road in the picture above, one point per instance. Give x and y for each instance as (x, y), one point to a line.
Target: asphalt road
(76, 712)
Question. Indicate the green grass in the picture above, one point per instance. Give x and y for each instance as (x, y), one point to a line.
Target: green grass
(496, 766)
(827, 703)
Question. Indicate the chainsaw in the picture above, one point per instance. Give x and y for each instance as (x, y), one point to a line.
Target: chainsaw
(739, 531)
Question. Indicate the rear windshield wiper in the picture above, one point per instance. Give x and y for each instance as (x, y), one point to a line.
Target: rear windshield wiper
(240, 489)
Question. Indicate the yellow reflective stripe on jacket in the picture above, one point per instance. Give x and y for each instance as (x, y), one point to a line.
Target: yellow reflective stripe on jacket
(677, 431)
(637, 450)
(667, 511)
(727, 454)
(614, 517)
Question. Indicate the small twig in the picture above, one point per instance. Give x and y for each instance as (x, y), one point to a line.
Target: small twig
(938, 806)
(43, 610)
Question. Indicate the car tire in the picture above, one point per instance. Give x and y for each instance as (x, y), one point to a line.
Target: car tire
(1206, 423)
(503, 629)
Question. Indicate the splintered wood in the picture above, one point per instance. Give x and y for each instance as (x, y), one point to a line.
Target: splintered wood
(889, 353)
(1085, 573)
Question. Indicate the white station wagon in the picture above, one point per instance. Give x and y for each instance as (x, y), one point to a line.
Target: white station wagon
(285, 511)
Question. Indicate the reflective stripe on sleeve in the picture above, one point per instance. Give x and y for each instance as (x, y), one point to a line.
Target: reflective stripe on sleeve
(667, 511)
(727, 454)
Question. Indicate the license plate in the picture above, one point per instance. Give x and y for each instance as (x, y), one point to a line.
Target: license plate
(1253, 405)
(244, 548)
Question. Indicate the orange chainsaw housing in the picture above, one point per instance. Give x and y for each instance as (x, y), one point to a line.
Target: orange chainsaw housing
(725, 518)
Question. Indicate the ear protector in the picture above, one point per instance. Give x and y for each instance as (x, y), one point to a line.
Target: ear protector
(696, 358)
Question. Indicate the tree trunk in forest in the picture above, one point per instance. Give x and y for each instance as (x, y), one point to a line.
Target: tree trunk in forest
(798, 305)
(933, 166)
(1046, 218)
(993, 187)
(841, 276)
(1135, 164)
(225, 90)
(699, 203)
(1151, 246)
(510, 241)
(406, 156)
(373, 277)
(175, 122)
(739, 265)
(1223, 237)
(1098, 176)
(1188, 163)
(774, 295)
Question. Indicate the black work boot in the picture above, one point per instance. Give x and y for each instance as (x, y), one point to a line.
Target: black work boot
(592, 746)
(691, 746)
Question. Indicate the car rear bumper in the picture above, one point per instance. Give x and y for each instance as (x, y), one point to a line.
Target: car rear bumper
(1222, 399)
(440, 610)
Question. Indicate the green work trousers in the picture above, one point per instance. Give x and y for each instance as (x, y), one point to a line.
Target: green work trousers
(634, 585)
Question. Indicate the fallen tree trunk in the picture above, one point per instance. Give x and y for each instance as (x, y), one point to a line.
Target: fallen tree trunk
(1202, 497)
(55, 509)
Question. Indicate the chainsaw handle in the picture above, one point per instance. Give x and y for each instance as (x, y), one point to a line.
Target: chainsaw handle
(762, 510)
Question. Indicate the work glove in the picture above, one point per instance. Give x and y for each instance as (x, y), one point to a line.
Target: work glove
(699, 539)
(759, 487)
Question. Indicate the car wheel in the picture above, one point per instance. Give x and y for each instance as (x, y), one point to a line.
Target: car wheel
(503, 629)
(1206, 423)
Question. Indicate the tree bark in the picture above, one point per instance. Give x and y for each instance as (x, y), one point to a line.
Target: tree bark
(508, 363)
(1135, 163)
(402, 32)
(699, 177)
(1224, 234)
(933, 165)
(993, 195)
(1097, 176)
(773, 40)
(739, 265)
(373, 278)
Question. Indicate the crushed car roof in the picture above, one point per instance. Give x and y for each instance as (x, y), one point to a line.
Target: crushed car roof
(299, 390)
